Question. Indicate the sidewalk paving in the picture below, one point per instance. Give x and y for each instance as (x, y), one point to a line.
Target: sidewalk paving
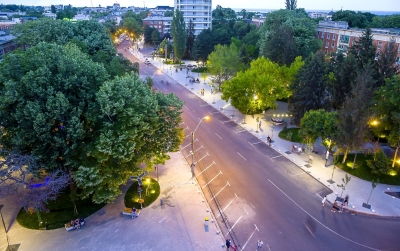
(177, 225)
(358, 190)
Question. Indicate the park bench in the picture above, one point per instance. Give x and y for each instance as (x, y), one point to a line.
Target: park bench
(128, 211)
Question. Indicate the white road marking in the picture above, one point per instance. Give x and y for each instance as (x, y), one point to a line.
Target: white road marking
(223, 210)
(268, 247)
(297, 174)
(227, 184)
(234, 225)
(287, 196)
(218, 135)
(201, 158)
(206, 168)
(249, 238)
(186, 107)
(194, 151)
(276, 157)
(162, 220)
(212, 179)
(241, 156)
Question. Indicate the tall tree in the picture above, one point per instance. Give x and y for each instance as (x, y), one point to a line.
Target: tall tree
(359, 107)
(190, 37)
(224, 62)
(57, 107)
(287, 34)
(178, 31)
(318, 124)
(258, 88)
(309, 88)
(203, 45)
(291, 4)
(155, 36)
(364, 50)
(387, 67)
(387, 110)
(345, 71)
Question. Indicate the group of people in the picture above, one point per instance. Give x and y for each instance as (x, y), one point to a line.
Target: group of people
(77, 223)
(336, 206)
(234, 248)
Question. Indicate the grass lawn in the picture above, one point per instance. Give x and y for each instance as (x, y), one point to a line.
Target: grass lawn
(295, 134)
(362, 171)
(132, 196)
(61, 212)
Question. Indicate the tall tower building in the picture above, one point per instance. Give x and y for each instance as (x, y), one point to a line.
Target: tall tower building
(199, 11)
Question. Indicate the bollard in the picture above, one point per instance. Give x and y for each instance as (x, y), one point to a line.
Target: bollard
(206, 224)
(162, 201)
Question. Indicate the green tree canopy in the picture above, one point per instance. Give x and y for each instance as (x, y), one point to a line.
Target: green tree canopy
(387, 111)
(318, 124)
(355, 19)
(259, 87)
(90, 36)
(224, 62)
(178, 31)
(58, 106)
(309, 88)
(287, 34)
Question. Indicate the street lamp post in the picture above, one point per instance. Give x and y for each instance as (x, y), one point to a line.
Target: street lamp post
(192, 165)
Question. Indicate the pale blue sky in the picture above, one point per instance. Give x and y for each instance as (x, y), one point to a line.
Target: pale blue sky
(381, 5)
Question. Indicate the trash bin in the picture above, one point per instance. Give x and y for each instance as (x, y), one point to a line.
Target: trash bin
(162, 201)
(206, 221)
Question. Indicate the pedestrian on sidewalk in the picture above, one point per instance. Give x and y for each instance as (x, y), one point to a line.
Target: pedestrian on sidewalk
(335, 206)
(259, 244)
(269, 141)
(310, 159)
(341, 207)
(326, 157)
(259, 124)
(293, 148)
(323, 201)
(228, 244)
(346, 200)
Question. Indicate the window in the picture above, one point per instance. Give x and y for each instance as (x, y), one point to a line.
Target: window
(205, 24)
(326, 44)
(205, 19)
(333, 45)
(194, 19)
(344, 39)
(323, 35)
(334, 37)
(328, 36)
(379, 44)
(194, 13)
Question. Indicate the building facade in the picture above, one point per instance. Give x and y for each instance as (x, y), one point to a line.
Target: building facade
(199, 11)
(162, 24)
(336, 35)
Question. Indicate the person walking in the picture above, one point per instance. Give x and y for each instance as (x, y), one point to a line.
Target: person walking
(323, 201)
(228, 244)
(346, 200)
(341, 207)
(259, 124)
(326, 157)
(259, 244)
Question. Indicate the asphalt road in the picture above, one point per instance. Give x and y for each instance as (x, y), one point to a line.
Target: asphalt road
(255, 193)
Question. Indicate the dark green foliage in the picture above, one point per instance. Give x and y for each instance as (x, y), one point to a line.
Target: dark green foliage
(287, 34)
(291, 4)
(189, 40)
(386, 21)
(132, 196)
(295, 137)
(362, 170)
(155, 37)
(61, 212)
(345, 72)
(309, 88)
(169, 13)
(364, 50)
(67, 13)
(387, 67)
(178, 31)
(355, 19)
(90, 36)
(379, 164)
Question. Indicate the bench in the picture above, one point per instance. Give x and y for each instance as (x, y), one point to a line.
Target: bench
(128, 211)
(69, 227)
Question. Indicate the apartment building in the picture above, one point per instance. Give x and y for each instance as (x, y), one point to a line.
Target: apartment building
(199, 11)
(336, 35)
(162, 24)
